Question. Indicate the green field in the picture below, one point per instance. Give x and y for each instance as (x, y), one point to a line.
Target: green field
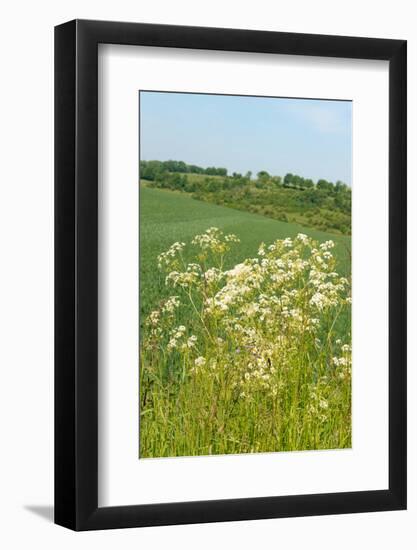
(169, 216)
(237, 354)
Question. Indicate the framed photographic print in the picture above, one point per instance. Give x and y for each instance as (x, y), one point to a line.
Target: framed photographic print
(230, 252)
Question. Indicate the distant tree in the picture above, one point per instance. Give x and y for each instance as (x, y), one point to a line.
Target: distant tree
(340, 187)
(190, 185)
(288, 178)
(177, 181)
(213, 171)
(297, 181)
(175, 166)
(150, 169)
(212, 185)
(325, 185)
(193, 169)
(263, 174)
(308, 183)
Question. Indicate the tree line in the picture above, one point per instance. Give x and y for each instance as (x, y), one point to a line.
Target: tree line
(324, 205)
(150, 169)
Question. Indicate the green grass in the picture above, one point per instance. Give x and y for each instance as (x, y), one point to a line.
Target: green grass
(217, 408)
(169, 216)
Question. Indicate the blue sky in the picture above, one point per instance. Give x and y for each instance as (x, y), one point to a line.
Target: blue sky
(311, 138)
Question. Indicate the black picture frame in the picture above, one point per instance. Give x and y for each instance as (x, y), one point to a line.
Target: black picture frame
(76, 272)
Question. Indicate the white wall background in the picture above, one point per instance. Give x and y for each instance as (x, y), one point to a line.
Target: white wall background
(26, 271)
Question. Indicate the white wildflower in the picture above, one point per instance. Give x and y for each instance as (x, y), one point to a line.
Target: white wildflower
(200, 361)
(302, 238)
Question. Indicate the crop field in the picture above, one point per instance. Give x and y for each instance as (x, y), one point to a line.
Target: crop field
(245, 331)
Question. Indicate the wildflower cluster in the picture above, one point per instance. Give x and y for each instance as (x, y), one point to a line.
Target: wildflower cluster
(166, 312)
(214, 241)
(259, 322)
